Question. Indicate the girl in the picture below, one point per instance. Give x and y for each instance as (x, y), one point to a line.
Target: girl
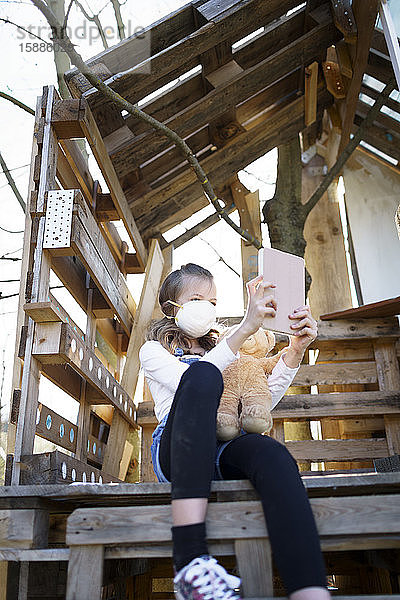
(182, 364)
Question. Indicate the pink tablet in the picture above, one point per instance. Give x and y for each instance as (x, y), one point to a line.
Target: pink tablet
(287, 271)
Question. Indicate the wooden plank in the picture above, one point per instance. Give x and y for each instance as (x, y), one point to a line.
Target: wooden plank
(357, 515)
(256, 574)
(388, 371)
(58, 468)
(376, 137)
(334, 405)
(55, 428)
(383, 308)
(80, 494)
(310, 93)
(248, 205)
(302, 51)
(365, 12)
(325, 374)
(78, 234)
(119, 428)
(80, 168)
(344, 19)
(224, 163)
(24, 528)
(96, 143)
(336, 450)
(73, 275)
(66, 117)
(50, 311)
(57, 343)
(274, 37)
(172, 55)
(85, 573)
(25, 431)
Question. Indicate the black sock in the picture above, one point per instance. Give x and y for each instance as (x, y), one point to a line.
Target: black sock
(189, 541)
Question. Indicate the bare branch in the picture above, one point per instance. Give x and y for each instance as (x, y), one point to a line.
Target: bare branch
(14, 188)
(95, 19)
(17, 102)
(23, 29)
(118, 18)
(109, 93)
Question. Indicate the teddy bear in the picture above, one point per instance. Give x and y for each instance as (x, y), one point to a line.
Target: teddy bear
(246, 400)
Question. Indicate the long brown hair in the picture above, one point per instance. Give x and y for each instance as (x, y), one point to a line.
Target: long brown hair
(165, 330)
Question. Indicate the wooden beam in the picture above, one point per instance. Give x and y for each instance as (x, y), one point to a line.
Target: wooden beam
(302, 51)
(45, 179)
(344, 19)
(199, 228)
(177, 42)
(365, 12)
(310, 100)
(143, 524)
(338, 405)
(119, 428)
(279, 124)
(78, 234)
(274, 37)
(92, 134)
(376, 137)
(57, 343)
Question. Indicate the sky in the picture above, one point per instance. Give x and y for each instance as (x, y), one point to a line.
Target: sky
(25, 69)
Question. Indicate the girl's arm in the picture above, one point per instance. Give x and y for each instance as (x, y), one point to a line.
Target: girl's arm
(162, 366)
(280, 379)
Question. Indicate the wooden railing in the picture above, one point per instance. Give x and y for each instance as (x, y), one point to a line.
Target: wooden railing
(354, 386)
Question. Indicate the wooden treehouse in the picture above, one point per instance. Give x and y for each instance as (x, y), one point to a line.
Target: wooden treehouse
(234, 79)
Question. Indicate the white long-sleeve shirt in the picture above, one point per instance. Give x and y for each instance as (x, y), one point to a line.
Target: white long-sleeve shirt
(163, 372)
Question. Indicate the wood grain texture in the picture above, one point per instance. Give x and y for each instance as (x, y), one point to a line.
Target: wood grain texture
(85, 573)
(232, 520)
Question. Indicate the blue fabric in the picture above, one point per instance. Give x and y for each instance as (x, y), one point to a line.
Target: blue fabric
(155, 446)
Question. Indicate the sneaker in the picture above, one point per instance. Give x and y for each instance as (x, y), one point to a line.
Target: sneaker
(204, 579)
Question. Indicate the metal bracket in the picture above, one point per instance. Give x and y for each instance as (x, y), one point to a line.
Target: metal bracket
(57, 232)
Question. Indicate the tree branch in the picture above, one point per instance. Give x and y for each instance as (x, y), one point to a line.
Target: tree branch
(109, 93)
(14, 188)
(17, 102)
(95, 19)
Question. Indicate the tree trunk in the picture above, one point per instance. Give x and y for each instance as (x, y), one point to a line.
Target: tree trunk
(284, 213)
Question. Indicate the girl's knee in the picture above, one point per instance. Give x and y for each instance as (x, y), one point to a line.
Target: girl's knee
(205, 378)
(267, 448)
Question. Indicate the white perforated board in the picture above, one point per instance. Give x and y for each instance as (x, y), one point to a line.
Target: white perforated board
(57, 232)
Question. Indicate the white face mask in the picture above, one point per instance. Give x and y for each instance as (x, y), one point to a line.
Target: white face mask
(195, 317)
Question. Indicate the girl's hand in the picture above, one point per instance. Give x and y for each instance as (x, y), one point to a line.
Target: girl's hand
(258, 306)
(304, 331)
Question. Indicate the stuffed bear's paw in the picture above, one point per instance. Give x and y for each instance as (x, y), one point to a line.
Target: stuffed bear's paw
(255, 419)
(227, 427)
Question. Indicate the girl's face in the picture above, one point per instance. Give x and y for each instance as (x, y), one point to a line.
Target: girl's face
(198, 288)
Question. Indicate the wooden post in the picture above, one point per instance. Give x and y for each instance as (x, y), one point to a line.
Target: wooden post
(255, 567)
(120, 428)
(388, 371)
(248, 205)
(25, 433)
(140, 444)
(85, 572)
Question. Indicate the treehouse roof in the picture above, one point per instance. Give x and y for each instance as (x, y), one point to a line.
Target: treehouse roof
(230, 77)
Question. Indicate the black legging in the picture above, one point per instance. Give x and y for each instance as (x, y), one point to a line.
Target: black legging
(187, 456)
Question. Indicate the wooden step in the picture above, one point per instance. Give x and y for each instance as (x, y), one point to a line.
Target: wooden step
(57, 343)
(335, 405)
